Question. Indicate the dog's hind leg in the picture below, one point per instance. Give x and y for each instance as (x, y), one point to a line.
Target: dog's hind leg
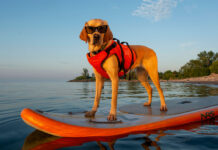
(151, 68)
(143, 78)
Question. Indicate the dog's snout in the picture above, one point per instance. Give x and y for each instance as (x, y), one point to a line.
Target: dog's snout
(96, 36)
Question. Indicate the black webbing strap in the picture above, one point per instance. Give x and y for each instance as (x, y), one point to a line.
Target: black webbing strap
(107, 49)
(108, 52)
(122, 54)
(132, 61)
(110, 47)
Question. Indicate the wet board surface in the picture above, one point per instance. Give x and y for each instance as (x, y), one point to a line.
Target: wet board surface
(175, 106)
(131, 118)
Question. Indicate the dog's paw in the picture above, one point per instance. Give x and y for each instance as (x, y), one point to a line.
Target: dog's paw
(111, 117)
(147, 104)
(90, 114)
(163, 107)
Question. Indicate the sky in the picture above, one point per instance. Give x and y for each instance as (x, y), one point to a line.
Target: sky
(39, 39)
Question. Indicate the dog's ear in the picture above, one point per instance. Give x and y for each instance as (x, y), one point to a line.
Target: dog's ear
(108, 35)
(83, 35)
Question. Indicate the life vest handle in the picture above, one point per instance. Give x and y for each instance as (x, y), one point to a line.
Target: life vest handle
(122, 54)
(132, 61)
(115, 39)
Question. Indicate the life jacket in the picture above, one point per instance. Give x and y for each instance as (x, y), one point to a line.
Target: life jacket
(125, 56)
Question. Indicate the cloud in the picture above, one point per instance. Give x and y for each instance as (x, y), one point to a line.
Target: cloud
(187, 44)
(156, 9)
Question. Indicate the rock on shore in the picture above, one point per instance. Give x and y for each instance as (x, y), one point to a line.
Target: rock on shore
(211, 79)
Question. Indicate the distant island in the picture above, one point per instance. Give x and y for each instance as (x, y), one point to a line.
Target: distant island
(85, 77)
(206, 64)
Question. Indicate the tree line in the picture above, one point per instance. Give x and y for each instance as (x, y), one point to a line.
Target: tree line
(205, 64)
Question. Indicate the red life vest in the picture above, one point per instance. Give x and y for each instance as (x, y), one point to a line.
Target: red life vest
(125, 56)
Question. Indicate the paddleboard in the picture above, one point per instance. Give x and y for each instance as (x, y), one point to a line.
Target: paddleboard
(132, 118)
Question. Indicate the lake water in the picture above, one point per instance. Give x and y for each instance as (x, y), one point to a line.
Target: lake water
(78, 96)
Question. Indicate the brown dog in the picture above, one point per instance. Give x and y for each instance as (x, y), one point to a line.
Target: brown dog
(99, 36)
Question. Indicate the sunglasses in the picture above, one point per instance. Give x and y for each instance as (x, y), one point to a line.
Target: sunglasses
(100, 29)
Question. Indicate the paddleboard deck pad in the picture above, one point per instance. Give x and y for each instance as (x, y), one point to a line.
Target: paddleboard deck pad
(132, 118)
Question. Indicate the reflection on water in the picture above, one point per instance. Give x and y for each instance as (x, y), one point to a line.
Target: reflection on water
(41, 141)
(171, 90)
(78, 97)
(189, 90)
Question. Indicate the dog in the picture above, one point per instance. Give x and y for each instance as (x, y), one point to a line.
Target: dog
(99, 36)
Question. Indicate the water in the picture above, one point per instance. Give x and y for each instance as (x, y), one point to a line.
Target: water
(76, 97)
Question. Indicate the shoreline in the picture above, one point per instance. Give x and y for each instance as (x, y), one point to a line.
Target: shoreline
(194, 82)
(210, 79)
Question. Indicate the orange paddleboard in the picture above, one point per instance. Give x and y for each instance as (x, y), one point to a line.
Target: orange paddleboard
(133, 118)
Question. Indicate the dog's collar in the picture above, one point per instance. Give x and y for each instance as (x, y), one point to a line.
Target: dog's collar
(98, 51)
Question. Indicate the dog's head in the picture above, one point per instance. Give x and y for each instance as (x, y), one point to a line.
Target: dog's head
(97, 33)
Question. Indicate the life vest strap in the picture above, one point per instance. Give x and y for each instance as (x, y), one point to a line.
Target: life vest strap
(122, 54)
(108, 53)
(132, 61)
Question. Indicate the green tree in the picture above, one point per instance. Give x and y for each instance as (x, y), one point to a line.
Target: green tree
(93, 75)
(214, 67)
(207, 58)
(85, 73)
(174, 75)
(194, 68)
(160, 75)
(199, 66)
(131, 75)
(167, 74)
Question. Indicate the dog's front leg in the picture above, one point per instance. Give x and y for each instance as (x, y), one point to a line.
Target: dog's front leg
(112, 69)
(113, 111)
(99, 86)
